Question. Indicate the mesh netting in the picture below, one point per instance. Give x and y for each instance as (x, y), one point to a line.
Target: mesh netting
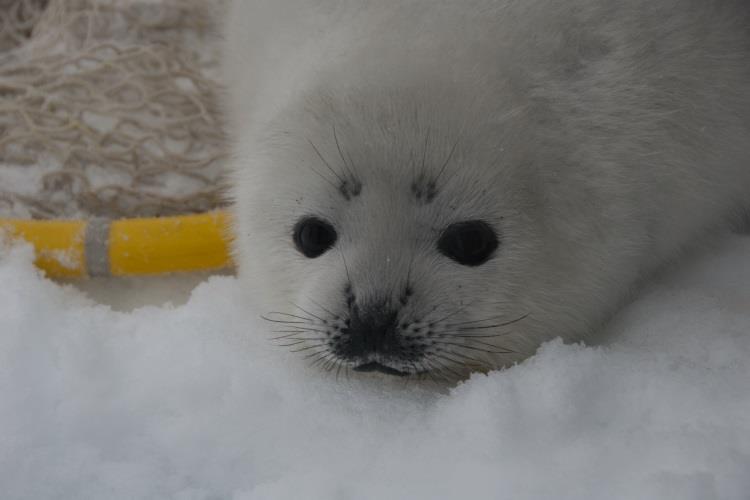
(108, 108)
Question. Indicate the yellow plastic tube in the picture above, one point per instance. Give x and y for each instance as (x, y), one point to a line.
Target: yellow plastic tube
(127, 247)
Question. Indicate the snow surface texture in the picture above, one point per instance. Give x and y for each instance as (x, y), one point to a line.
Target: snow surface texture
(193, 402)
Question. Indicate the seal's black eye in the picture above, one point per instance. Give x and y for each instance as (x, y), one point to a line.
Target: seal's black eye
(469, 243)
(313, 237)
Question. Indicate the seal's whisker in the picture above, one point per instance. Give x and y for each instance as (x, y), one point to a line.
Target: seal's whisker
(473, 340)
(474, 321)
(334, 316)
(297, 336)
(324, 362)
(447, 161)
(474, 348)
(277, 341)
(453, 334)
(420, 313)
(482, 327)
(491, 318)
(329, 364)
(467, 358)
(457, 311)
(493, 350)
(516, 320)
(317, 360)
(287, 322)
(302, 330)
(329, 181)
(435, 368)
(428, 371)
(298, 342)
(341, 154)
(447, 374)
(346, 266)
(308, 312)
(328, 165)
(289, 339)
(288, 315)
(475, 362)
(424, 151)
(308, 341)
(467, 365)
(433, 371)
(317, 344)
(306, 321)
(425, 374)
(316, 357)
(446, 367)
(301, 335)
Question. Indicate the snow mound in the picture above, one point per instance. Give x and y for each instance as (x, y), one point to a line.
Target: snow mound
(194, 402)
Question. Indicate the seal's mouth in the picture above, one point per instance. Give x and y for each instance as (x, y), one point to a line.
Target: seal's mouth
(374, 366)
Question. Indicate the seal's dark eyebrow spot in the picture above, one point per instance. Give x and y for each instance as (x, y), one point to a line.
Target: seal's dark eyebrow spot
(350, 188)
(424, 189)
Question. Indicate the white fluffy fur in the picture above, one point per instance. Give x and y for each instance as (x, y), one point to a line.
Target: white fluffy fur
(600, 137)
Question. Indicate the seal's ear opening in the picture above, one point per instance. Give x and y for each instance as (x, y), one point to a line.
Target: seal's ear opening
(313, 236)
(469, 243)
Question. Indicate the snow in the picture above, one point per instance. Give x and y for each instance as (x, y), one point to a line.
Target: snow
(192, 401)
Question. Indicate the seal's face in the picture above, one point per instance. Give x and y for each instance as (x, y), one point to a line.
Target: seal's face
(379, 243)
(377, 326)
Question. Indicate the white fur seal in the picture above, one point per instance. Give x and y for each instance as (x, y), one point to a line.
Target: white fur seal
(439, 186)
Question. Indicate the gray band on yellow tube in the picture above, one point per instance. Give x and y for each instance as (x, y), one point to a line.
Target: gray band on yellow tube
(96, 247)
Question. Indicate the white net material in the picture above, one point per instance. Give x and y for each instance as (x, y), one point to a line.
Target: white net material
(109, 108)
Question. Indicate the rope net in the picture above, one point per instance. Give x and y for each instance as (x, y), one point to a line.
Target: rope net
(108, 108)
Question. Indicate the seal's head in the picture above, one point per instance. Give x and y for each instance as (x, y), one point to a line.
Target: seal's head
(391, 231)
(420, 189)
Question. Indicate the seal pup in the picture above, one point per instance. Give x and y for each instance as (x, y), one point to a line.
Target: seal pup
(439, 186)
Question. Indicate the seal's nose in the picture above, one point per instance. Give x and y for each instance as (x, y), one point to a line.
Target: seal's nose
(372, 329)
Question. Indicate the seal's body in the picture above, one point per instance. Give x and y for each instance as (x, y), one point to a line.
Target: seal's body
(439, 186)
